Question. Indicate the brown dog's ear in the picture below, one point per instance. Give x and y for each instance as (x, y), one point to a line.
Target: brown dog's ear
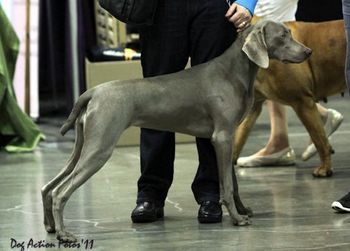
(255, 48)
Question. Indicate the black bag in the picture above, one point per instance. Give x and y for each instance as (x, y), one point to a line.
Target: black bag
(137, 12)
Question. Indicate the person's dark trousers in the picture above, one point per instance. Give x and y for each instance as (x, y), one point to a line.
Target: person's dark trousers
(183, 28)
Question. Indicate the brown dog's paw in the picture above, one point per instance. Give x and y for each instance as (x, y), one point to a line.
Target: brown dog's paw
(322, 173)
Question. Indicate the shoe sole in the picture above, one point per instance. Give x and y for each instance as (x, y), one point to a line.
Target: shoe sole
(209, 219)
(142, 218)
(281, 163)
(307, 156)
(285, 157)
(339, 207)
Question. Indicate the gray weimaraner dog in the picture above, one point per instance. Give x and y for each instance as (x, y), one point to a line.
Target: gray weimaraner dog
(208, 101)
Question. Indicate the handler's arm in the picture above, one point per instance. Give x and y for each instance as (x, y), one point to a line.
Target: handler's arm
(248, 4)
(240, 13)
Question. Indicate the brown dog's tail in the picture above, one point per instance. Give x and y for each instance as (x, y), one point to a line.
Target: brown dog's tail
(79, 105)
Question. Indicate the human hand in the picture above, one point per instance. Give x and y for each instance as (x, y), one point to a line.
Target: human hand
(239, 16)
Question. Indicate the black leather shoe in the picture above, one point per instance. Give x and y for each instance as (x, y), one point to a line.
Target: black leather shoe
(146, 212)
(210, 212)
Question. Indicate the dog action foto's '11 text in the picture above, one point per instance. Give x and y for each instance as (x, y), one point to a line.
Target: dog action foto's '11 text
(45, 245)
(207, 101)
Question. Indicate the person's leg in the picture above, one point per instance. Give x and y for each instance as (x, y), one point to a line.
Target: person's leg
(211, 34)
(343, 204)
(346, 14)
(279, 129)
(277, 150)
(164, 50)
(323, 112)
(157, 150)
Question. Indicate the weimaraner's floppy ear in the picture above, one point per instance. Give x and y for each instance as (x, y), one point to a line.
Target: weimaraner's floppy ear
(255, 48)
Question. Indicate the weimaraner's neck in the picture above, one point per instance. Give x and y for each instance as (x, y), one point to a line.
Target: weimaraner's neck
(238, 63)
(234, 55)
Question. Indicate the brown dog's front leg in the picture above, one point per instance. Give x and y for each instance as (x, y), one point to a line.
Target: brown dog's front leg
(310, 117)
(243, 130)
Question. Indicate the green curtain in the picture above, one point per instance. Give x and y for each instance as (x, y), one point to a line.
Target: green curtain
(18, 133)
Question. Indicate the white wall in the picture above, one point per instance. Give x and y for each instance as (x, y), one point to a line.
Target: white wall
(7, 6)
(17, 14)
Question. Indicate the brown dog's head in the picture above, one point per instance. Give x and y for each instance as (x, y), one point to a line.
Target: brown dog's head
(271, 40)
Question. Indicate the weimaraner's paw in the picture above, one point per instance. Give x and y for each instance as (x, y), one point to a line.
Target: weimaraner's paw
(322, 173)
(243, 221)
(65, 236)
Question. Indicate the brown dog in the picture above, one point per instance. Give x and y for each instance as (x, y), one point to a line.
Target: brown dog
(302, 85)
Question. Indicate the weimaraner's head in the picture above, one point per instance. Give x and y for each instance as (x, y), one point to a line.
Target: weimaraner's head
(273, 40)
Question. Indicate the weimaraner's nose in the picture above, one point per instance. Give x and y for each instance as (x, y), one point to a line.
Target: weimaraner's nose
(308, 52)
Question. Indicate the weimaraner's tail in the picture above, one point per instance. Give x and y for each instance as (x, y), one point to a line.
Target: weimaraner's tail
(79, 105)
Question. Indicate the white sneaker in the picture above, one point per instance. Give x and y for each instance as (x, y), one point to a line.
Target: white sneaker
(334, 120)
(285, 157)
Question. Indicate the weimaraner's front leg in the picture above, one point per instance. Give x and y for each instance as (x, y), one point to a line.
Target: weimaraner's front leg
(222, 141)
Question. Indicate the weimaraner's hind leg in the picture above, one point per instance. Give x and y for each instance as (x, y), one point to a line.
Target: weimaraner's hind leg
(99, 143)
(46, 191)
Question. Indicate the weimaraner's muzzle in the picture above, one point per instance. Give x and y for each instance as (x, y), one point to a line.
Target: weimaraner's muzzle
(208, 101)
